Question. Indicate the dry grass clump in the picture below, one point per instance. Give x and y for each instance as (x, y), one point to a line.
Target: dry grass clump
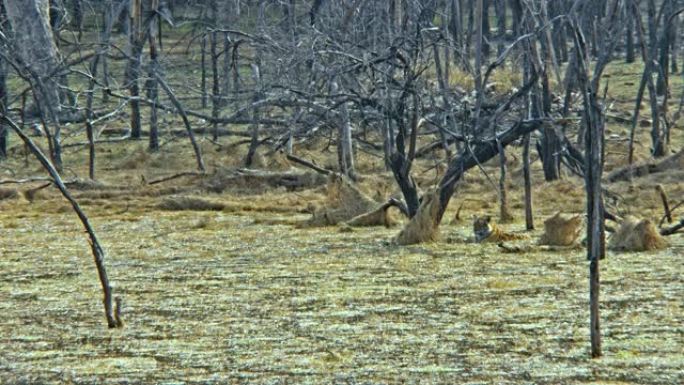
(423, 227)
(181, 203)
(344, 201)
(137, 160)
(636, 234)
(86, 184)
(562, 230)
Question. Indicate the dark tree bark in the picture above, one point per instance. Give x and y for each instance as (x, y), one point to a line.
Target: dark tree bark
(630, 54)
(4, 95)
(529, 217)
(666, 39)
(215, 83)
(504, 214)
(77, 10)
(486, 29)
(203, 69)
(254, 142)
(152, 85)
(500, 9)
(90, 115)
(481, 153)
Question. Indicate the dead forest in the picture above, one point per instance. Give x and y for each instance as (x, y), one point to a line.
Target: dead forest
(357, 191)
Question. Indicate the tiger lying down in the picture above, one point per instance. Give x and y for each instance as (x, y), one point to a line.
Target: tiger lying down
(562, 231)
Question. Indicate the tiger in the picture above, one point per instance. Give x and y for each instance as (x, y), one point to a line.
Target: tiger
(487, 231)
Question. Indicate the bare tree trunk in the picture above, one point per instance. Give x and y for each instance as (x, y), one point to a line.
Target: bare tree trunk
(203, 69)
(135, 42)
(504, 214)
(479, 87)
(152, 85)
(215, 90)
(34, 44)
(4, 97)
(78, 17)
(485, 28)
(89, 116)
(254, 143)
(500, 10)
(108, 19)
(442, 81)
(529, 218)
(630, 54)
(345, 150)
(666, 39)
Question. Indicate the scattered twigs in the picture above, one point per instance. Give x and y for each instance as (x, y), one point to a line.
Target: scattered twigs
(98, 252)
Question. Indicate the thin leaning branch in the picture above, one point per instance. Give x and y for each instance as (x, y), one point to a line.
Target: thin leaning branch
(181, 111)
(98, 252)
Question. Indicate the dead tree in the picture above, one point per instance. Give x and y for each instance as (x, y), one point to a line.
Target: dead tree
(136, 42)
(594, 119)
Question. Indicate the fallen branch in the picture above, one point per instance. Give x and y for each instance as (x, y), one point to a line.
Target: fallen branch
(98, 252)
(672, 229)
(112, 140)
(174, 176)
(27, 180)
(308, 164)
(672, 162)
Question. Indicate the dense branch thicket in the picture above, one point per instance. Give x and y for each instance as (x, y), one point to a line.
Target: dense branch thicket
(388, 75)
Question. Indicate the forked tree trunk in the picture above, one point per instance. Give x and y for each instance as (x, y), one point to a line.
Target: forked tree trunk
(419, 228)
